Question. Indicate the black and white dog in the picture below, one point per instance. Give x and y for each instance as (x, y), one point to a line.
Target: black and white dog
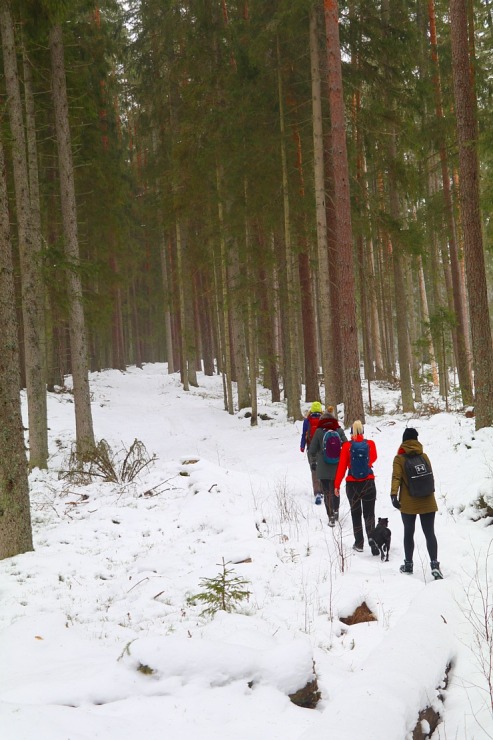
(379, 539)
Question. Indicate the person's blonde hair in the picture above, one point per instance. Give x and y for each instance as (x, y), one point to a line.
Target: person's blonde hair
(357, 427)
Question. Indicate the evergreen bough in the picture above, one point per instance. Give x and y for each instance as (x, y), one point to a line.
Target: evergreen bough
(222, 593)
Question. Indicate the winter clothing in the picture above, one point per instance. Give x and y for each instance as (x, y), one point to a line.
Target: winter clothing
(326, 472)
(316, 408)
(435, 570)
(345, 460)
(361, 493)
(409, 504)
(412, 506)
(409, 433)
(428, 527)
(310, 424)
(407, 567)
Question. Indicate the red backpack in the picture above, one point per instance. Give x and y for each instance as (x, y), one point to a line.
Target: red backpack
(313, 420)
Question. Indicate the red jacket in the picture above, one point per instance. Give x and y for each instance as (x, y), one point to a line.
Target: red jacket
(345, 460)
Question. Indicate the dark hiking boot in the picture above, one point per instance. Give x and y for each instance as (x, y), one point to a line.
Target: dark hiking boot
(358, 548)
(407, 567)
(318, 499)
(435, 570)
(332, 521)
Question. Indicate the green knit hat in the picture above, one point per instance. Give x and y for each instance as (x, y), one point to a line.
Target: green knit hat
(316, 407)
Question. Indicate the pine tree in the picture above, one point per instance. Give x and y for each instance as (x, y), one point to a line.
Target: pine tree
(15, 518)
(30, 255)
(467, 134)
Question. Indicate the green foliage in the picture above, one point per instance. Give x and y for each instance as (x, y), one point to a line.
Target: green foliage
(222, 593)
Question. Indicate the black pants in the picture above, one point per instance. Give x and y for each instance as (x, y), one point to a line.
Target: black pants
(362, 495)
(330, 499)
(428, 527)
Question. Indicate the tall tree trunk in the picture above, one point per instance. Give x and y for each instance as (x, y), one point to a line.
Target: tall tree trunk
(184, 364)
(412, 332)
(190, 326)
(238, 326)
(251, 318)
(117, 338)
(353, 398)
(401, 309)
(376, 339)
(268, 300)
(320, 205)
(426, 321)
(30, 256)
(458, 293)
(78, 341)
(135, 323)
(291, 370)
(467, 134)
(206, 330)
(224, 312)
(167, 307)
(308, 318)
(15, 517)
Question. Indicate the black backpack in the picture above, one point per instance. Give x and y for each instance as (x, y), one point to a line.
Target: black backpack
(420, 478)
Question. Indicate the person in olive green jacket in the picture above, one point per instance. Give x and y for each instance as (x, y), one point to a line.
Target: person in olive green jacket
(411, 506)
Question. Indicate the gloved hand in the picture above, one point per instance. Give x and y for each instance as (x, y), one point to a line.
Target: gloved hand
(395, 502)
(302, 449)
(313, 466)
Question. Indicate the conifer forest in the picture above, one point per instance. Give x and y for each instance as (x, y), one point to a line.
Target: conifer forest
(296, 193)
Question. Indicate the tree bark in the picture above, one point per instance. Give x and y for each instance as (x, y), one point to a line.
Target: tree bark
(167, 307)
(291, 371)
(238, 326)
(467, 134)
(320, 205)
(30, 257)
(353, 398)
(224, 310)
(308, 316)
(184, 365)
(462, 333)
(15, 517)
(78, 340)
(426, 321)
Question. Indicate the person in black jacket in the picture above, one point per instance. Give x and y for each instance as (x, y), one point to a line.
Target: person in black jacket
(326, 471)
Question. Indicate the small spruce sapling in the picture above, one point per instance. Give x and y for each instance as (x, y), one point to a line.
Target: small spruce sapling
(222, 593)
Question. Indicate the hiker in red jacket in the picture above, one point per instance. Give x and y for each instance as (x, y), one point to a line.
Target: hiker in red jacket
(357, 458)
(310, 423)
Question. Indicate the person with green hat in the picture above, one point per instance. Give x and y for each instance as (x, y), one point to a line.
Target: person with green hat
(310, 423)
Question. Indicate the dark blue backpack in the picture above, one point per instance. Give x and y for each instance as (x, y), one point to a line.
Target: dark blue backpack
(331, 447)
(360, 468)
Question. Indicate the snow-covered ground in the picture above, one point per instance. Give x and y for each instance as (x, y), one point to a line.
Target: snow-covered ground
(99, 638)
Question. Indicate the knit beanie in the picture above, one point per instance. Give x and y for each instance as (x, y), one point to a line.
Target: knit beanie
(316, 407)
(409, 433)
